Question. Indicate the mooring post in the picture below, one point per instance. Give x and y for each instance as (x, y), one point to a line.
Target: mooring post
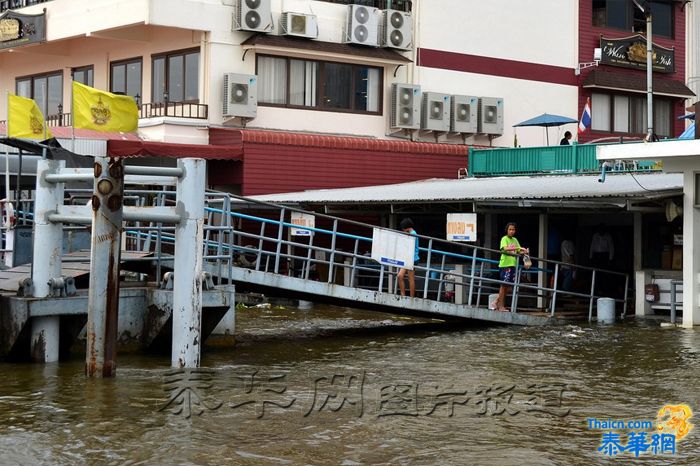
(187, 287)
(46, 261)
(103, 295)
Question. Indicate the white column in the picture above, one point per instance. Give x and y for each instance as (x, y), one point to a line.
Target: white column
(105, 250)
(542, 247)
(46, 262)
(187, 289)
(691, 252)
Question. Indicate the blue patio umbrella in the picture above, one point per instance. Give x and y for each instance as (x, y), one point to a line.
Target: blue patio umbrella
(546, 120)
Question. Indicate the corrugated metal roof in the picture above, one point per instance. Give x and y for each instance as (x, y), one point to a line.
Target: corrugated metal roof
(553, 187)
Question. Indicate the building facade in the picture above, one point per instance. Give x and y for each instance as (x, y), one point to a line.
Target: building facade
(332, 69)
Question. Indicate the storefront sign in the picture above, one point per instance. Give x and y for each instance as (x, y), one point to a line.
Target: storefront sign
(393, 248)
(631, 52)
(17, 29)
(461, 227)
(303, 220)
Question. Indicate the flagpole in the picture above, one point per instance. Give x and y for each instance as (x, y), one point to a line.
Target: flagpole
(7, 150)
(72, 118)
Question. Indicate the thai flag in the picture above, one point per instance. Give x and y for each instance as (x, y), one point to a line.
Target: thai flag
(585, 122)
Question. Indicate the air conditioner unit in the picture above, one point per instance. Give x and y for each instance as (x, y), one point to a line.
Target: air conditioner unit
(240, 95)
(252, 15)
(362, 26)
(436, 112)
(490, 115)
(298, 25)
(397, 30)
(405, 106)
(464, 113)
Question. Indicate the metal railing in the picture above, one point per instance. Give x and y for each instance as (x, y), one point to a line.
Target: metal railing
(242, 232)
(573, 159)
(174, 109)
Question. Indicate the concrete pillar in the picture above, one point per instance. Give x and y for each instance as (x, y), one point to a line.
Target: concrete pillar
(691, 250)
(45, 339)
(105, 249)
(542, 248)
(637, 241)
(46, 262)
(187, 289)
(490, 231)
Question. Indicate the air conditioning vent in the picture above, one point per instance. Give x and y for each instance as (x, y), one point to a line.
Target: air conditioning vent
(240, 95)
(405, 106)
(436, 112)
(252, 15)
(464, 116)
(490, 115)
(362, 26)
(298, 25)
(397, 30)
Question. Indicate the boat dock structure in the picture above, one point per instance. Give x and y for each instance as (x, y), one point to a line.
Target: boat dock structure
(164, 264)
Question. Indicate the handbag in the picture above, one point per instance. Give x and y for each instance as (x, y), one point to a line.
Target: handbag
(527, 262)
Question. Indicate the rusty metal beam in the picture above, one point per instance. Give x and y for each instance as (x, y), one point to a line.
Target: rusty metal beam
(103, 295)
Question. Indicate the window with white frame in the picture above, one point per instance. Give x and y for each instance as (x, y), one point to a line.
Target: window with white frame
(627, 113)
(320, 85)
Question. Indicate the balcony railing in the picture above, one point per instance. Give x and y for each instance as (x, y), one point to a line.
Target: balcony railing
(576, 158)
(174, 109)
(15, 4)
(148, 110)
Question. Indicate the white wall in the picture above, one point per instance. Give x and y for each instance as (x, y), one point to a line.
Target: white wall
(537, 31)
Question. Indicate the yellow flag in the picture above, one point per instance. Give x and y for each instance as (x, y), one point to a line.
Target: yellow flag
(25, 120)
(103, 111)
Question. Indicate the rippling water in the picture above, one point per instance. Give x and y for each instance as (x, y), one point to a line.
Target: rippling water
(361, 388)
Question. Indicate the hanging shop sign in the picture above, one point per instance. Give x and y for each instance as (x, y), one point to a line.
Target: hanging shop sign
(461, 227)
(17, 29)
(631, 52)
(305, 221)
(393, 248)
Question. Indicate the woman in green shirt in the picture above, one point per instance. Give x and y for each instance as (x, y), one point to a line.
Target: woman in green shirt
(510, 248)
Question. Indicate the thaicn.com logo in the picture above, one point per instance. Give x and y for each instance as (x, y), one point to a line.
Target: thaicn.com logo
(644, 437)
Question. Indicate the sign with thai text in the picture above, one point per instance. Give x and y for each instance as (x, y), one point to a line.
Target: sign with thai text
(393, 248)
(461, 227)
(17, 29)
(303, 220)
(631, 52)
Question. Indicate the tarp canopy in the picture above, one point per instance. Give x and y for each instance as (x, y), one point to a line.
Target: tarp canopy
(54, 151)
(116, 148)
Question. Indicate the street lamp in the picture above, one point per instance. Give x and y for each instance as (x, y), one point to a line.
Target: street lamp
(645, 7)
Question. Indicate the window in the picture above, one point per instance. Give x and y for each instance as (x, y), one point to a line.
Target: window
(319, 85)
(177, 76)
(628, 114)
(403, 5)
(84, 75)
(624, 14)
(46, 90)
(125, 77)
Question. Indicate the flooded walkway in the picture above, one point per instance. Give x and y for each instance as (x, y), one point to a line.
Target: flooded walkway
(341, 386)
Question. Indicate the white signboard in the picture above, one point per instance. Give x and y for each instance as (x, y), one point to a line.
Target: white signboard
(461, 227)
(393, 248)
(303, 220)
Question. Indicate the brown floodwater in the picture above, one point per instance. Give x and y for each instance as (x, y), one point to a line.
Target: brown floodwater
(340, 386)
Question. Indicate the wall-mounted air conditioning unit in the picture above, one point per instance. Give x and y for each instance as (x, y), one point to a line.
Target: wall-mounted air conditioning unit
(397, 30)
(490, 115)
(298, 25)
(252, 15)
(362, 26)
(240, 95)
(436, 112)
(464, 114)
(405, 106)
